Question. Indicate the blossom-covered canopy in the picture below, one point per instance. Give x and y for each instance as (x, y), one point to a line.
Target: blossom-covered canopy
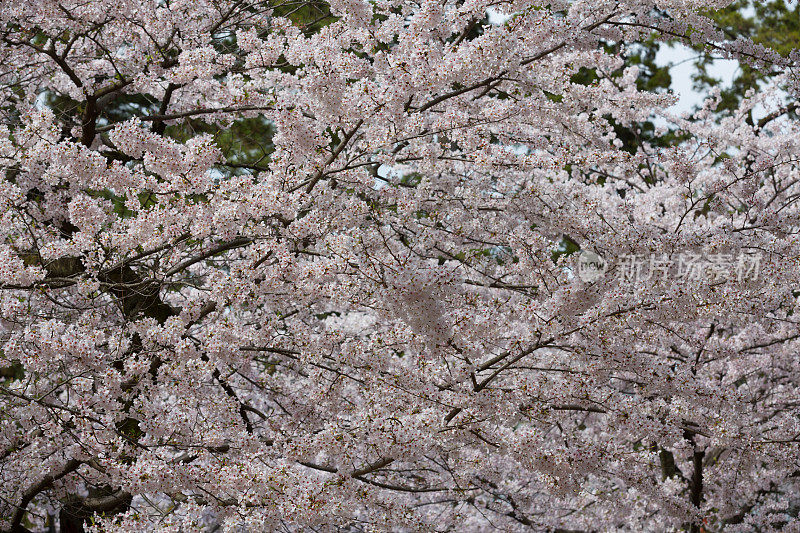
(391, 265)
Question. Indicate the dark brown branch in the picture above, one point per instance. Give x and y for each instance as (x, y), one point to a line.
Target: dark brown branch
(696, 480)
(338, 150)
(162, 117)
(32, 492)
(775, 114)
(374, 466)
(231, 245)
(158, 124)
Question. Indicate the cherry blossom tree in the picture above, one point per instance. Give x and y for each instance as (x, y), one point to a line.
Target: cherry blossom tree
(295, 265)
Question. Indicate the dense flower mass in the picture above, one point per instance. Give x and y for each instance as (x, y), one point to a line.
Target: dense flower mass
(391, 265)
